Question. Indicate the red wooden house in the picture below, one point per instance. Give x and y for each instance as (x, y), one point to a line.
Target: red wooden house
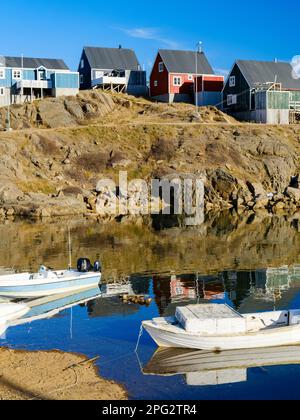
(177, 75)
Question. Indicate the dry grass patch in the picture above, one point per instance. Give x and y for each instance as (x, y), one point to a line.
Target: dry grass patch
(37, 186)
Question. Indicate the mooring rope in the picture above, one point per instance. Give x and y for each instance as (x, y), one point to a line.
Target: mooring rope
(139, 338)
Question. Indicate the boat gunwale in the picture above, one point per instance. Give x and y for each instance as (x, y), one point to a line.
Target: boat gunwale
(44, 281)
(178, 329)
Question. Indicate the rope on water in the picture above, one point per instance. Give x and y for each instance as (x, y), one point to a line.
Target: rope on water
(139, 338)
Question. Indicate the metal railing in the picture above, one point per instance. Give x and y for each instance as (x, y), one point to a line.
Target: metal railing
(107, 80)
(295, 105)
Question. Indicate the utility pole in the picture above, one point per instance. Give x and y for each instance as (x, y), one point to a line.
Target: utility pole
(22, 65)
(8, 122)
(8, 127)
(198, 51)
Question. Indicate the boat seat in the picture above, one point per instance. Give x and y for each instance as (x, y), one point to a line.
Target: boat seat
(44, 275)
(267, 320)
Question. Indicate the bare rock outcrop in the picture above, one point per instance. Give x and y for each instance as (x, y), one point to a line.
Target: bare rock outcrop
(59, 112)
(54, 169)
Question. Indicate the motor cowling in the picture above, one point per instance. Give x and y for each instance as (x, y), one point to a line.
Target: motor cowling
(84, 265)
(97, 267)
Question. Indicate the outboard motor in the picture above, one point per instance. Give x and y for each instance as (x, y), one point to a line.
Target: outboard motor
(84, 265)
(97, 267)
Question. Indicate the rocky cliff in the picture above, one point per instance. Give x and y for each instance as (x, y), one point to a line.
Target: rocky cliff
(59, 149)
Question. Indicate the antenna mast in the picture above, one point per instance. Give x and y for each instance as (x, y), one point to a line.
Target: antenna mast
(199, 47)
(198, 51)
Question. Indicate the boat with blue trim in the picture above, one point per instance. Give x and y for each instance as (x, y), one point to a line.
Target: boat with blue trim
(47, 282)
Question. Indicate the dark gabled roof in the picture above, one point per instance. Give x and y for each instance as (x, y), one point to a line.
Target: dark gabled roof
(185, 62)
(112, 58)
(268, 72)
(34, 63)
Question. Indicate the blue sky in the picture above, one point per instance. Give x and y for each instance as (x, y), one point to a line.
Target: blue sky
(230, 30)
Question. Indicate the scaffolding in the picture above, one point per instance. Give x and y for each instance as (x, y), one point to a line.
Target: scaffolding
(268, 86)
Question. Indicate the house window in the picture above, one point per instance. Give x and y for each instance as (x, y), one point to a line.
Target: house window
(82, 64)
(2, 92)
(2, 74)
(190, 77)
(98, 74)
(17, 74)
(161, 67)
(177, 81)
(231, 100)
(155, 83)
(81, 79)
(232, 81)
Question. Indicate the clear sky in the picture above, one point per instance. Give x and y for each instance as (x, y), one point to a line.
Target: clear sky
(229, 30)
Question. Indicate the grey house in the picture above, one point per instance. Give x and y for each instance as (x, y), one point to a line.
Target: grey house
(263, 92)
(115, 69)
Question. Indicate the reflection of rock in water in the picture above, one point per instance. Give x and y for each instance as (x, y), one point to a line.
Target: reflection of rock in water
(140, 285)
(161, 221)
(105, 307)
(223, 241)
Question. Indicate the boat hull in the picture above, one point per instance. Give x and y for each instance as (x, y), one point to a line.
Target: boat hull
(49, 288)
(175, 337)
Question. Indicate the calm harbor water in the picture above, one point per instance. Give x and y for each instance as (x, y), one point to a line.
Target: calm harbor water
(252, 264)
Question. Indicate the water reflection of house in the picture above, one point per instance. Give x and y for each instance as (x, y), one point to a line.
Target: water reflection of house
(172, 291)
(275, 281)
(260, 289)
(267, 285)
(245, 290)
(273, 287)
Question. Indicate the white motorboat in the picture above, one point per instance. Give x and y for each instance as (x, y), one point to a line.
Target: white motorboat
(204, 368)
(10, 312)
(218, 327)
(48, 282)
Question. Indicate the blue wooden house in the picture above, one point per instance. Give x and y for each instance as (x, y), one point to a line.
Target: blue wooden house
(26, 79)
